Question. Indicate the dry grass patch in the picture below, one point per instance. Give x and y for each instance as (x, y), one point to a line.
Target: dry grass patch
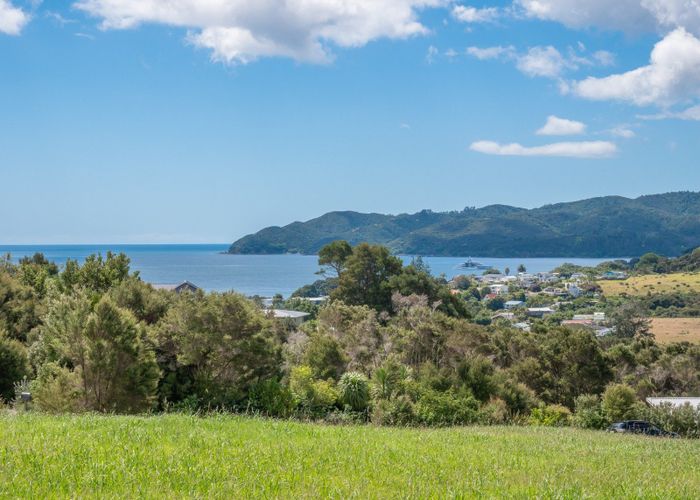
(652, 283)
(669, 330)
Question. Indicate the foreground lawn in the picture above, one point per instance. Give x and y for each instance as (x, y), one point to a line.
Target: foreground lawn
(177, 456)
(654, 283)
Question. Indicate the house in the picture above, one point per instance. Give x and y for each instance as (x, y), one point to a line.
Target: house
(499, 289)
(513, 304)
(185, 286)
(573, 289)
(613, 275)
(675, 402)
(598, 317)
(539, 312)
(504, 315)
(522, 326)
(295, 317)
(577, 322)
(555, 292)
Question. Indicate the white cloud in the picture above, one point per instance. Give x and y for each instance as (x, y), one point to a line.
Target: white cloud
(590, 149)
(623, 131)
(432, 53)
(604, 58)
(12, 19)
(632, 16)
(240, 31)
(485, 53)
(561, 126)
(673, 75)
(542, 61)
(691, 114)
(467, 14)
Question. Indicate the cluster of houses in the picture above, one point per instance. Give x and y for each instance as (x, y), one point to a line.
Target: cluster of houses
(548, 284)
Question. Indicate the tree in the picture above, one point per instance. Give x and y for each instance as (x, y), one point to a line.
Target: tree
(97, 274)
(13, 365)
(218, 346)
(630, 321)
(105, 346)
(20, 308)
(414, 280)
(334, 255)
(619, 401)
(365, 277)
(325, 357)
(507, 271)
(522, 268)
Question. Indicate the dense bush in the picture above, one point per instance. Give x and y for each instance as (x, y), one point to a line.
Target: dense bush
(619, 402)
(550, 416)
(94, 337)
(589, 412)
(13, 365)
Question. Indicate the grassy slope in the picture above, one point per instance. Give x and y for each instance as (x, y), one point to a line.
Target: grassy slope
(175, 456)
(669, 330)
(654, 283)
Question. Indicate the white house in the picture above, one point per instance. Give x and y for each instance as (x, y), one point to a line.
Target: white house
(295, 317)
(675, 402)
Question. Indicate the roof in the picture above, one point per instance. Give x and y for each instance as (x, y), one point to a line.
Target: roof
(174, 286)
(283, 313)
(674, 401)
(514, 302)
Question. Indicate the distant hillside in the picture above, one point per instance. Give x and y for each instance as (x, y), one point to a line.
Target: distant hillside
(613, 226)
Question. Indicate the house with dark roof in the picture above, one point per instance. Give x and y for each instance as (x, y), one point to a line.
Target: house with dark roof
(185, 286)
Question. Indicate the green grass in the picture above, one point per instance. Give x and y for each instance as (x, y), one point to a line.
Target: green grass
(225, 457)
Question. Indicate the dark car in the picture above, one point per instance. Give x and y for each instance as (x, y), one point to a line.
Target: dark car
(640, 427)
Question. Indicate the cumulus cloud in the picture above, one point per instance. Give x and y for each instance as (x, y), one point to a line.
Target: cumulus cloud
(12, 19)
(467, 14)
(542, 61)
(485, 53)
(632, 16)
(561, 126)
(241, 31)
(673, 75)
(589, 149)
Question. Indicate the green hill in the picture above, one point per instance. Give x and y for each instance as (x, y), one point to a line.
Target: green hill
(612, 226)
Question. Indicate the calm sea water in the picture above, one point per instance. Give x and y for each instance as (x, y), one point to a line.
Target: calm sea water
(265, 275)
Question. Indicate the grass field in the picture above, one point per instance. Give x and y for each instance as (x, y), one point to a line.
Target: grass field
(654, 283)
(225, 457)
(669, 330)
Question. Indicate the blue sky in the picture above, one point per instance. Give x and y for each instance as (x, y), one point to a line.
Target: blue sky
(128, 121)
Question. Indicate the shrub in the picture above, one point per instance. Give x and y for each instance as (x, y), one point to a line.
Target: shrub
(272, 399)
(354, 391)
(619, 402)
(397, 411)
(589, 412)
(58, 389)
(494, 412)
(313, 397)
(550, 416)
(685, 420)
(445, 408)
(13, 365)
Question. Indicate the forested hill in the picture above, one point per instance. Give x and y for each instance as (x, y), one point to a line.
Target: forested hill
(612, 226)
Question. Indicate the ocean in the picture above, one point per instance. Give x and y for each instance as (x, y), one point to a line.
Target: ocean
(209, 268)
